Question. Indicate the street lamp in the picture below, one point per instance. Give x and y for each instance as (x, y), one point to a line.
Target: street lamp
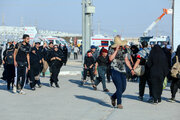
(87, 11)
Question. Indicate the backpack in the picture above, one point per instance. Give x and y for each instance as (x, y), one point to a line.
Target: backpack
(175, 70)
(10, 57)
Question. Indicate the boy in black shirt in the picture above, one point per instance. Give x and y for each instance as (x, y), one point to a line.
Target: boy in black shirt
(101, 64)
(88, 66)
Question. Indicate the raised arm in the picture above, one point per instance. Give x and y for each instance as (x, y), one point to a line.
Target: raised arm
(112, 56)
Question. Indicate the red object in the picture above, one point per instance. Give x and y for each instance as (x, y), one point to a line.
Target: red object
(105, 50)
(138, 56)
(103, 46)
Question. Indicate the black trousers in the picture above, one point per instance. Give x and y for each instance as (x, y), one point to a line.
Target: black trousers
(10, 69)
(142, 85)
(90, 73)
(20, 76)
(55, 69)
(75, 56)
(174, 87)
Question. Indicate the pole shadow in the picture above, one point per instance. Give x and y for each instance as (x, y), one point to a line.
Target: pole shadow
(78, 82)
(95, 100)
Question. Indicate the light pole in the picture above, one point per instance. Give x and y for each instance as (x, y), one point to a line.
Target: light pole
(87, 10)
(172, 39)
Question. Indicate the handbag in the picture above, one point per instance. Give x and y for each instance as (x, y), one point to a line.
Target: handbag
(175, 70)
(140, 70)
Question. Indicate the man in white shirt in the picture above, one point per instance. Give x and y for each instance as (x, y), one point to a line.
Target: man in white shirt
(76, 50)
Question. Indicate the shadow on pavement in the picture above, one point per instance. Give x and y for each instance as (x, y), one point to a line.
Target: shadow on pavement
(132, 97)
(78, 82)
(46, 84)
(109, 94)
(3, 85)
(95, 100)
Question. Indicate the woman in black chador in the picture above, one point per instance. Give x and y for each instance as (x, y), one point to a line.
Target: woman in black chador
(56, 62)
(34, 73)
(65, 53)
(158, 70)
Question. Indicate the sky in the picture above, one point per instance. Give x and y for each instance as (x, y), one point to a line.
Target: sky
(129, 17)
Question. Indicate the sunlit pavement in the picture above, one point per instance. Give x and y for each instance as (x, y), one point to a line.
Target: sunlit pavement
(75, 102)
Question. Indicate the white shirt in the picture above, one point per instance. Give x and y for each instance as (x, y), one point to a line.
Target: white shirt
(76, 49)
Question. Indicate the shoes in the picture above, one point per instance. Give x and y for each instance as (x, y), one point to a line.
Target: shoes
(151, 100)
(95, 88)
(39, 83)
(83, 82)
(51, 84)
(159, 100)
(172, 100)
(119, 106)
(106, 90)
(19, 86)
(57, 85)
(14, 89)
(92, 81)
(33, 89)
(113, 102)
(155, 102)
(22, 92)
(8, 86)
(140, 98)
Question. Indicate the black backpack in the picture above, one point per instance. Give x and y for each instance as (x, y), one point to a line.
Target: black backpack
(10, 57)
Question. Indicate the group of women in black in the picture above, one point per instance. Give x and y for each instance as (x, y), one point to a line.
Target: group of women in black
(54, 55)
(158, 67)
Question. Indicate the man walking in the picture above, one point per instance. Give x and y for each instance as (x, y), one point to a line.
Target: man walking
(76, 50)
(21, 63)
(142, 57)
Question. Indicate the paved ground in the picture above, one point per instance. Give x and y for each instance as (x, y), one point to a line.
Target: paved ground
(74, 102)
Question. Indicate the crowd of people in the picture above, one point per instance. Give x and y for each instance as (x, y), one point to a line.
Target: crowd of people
(24, 64)
(151, 64)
